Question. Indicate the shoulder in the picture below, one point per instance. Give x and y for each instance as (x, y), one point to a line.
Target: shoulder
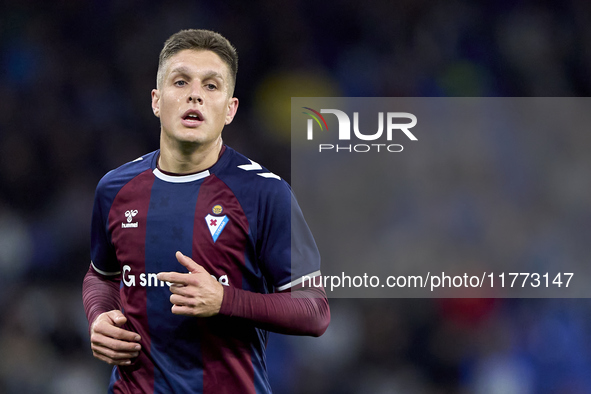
(243, 172)
(115, 179)
(258, 190)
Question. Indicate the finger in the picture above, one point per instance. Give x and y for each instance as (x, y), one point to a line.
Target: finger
(116, 333)
(111, 361)
(120, 320)
(174, 277)
(112, 354)
(180, 300)
(183, 310)
(181, 290)
(188, 263)
(117, 317)
(114, 344)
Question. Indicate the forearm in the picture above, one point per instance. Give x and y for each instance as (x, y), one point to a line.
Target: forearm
(99, 294)
(306, 313)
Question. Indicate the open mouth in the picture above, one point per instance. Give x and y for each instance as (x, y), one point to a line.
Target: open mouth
(192, 117)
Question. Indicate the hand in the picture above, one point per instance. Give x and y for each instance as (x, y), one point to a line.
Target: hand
(196, 293)
(111, 343)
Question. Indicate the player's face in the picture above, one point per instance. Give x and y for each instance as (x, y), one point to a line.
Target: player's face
(194, 99)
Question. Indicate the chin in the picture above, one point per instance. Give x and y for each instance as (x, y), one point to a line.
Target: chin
(195, 140)
(191, 137)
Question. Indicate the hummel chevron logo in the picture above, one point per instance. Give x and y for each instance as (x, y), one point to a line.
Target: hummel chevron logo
(130, 215)
(269, 175)
(250, 167)
(254, 166)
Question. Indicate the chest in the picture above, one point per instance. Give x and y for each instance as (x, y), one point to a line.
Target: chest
(201, 219)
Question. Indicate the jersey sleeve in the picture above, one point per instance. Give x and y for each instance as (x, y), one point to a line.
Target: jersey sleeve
(103, 257)
(99, 294)
(288, 250)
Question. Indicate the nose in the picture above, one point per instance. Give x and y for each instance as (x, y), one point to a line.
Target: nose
(196, 99)
(195, 95)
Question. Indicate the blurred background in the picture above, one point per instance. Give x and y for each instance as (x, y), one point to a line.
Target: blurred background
(75, 82)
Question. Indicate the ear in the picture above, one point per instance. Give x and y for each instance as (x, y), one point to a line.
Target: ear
(232, 108)
(156, 102)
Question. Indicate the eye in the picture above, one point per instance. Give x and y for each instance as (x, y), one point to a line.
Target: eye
(180, 82)
(211, 86)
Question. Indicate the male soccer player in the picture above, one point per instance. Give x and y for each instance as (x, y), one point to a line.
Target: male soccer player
(197, 252)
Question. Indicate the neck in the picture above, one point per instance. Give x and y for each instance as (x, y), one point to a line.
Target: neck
(186, 158)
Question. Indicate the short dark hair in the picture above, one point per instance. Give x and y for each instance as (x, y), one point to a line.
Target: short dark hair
(199, 39)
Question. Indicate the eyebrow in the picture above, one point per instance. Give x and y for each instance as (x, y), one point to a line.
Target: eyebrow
(180, 70)
(207, 75)
(213, 74)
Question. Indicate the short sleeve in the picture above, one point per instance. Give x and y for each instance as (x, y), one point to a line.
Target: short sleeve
(288, 250)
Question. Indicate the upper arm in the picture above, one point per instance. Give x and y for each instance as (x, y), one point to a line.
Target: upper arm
(288, 250)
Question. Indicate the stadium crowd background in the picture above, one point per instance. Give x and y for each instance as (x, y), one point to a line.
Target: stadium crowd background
(75, 81)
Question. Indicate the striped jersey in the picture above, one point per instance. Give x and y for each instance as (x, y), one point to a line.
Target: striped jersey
(238, 221)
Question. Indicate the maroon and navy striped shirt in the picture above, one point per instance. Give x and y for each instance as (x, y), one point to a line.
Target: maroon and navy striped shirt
(237, 220)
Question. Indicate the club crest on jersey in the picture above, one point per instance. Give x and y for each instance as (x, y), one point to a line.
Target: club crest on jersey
(130, 215)
(216, 224)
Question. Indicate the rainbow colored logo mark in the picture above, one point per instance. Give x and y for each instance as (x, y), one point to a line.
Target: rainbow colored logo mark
(315, 118)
